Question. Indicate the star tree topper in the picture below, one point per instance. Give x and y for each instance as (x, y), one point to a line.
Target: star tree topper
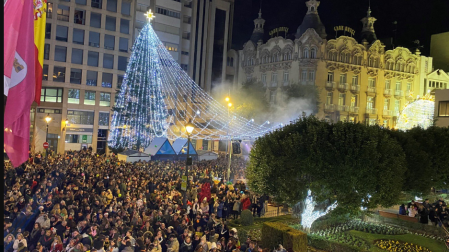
(150, 15)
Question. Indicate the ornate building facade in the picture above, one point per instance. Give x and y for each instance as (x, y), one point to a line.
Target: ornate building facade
(357, 81)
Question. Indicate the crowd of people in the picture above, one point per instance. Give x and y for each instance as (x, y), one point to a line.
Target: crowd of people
(428, 213)
(81, 201)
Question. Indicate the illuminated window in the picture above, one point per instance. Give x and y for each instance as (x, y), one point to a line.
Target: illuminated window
(51, 94)
(73, 96)
(89, 97)
(443, 108)
(105, 99)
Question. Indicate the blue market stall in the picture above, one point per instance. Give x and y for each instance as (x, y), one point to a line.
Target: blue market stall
(161, 149)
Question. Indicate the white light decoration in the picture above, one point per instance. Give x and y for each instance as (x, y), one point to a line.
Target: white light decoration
(417, 114)
(363, 201)
(157, 98)
(309, 215)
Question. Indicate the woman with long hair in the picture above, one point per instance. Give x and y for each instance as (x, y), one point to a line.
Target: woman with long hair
(56, 246)
(8, 242)
(19, 239)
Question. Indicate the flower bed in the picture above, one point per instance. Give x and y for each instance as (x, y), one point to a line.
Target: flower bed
(364, 227)
(397, 246)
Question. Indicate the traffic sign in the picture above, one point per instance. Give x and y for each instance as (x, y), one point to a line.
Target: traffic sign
(45, 145)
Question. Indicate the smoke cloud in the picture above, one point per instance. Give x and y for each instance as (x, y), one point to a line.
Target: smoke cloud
(284, 110)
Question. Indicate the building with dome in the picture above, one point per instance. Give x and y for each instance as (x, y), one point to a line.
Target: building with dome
(358, 80)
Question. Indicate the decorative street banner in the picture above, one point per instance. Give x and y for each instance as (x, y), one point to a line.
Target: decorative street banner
(184, 183)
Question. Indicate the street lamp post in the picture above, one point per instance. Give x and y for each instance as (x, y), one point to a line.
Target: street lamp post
(229, 141)
(189, 129)
(47, 119)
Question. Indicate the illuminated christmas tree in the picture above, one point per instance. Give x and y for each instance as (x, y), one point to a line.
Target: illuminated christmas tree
(140, 113)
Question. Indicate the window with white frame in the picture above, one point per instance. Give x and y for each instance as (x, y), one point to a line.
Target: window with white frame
(371, 82)
(355, 80)
(274, 78)
(329, 98)
(304, 75)
(306, 53)
(370, 102)
(285, 77)
(264, 78)
(341, 99)
(313, 53)
(312, 76)
(397, 106)
(342, 78)
(330, 76)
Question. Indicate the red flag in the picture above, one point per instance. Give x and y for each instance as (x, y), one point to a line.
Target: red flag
(12, 11)
(21, 86)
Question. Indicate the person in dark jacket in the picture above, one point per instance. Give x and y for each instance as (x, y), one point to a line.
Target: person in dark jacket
(186, 246)
(402, 210)
(423, 215)
(47, 239)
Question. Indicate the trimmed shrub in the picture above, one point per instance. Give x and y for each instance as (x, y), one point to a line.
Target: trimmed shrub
(247, 218)
(323, 244)
(275, 233)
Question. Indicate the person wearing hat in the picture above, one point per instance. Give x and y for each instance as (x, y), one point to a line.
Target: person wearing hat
(173, 244)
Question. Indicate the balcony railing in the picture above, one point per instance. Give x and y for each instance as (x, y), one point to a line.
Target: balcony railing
(399, 93)
(353, 109)
(285, 83)
(355, 88)
(387, 92)
(371, 110)
(371, 90)
(387, 112)
(274, 84)
(409, 94)
(331, 84)
(342, 108)
(343, 86)
(329, 107)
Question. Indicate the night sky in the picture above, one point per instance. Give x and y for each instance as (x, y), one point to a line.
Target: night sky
(416, 19)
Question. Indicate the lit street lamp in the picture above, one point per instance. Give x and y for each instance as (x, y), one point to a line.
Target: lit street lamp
(227, 99)
(189, 129)
(47, 119)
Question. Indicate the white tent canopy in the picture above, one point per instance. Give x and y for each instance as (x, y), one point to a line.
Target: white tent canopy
(206, 155)
(133, 156)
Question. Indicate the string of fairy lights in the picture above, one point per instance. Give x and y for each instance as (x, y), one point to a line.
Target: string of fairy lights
(157, 98)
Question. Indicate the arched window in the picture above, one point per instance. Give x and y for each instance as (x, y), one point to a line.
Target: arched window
(347, 56)
(334, 56)
(329, 55)
(278, 58)
(252, 62)
(289, 56)
(232, 62)
(398, 65)
(313, 53)
(306, 53)
(370, 62)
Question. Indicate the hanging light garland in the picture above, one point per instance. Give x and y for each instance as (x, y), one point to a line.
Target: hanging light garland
(157, 98)
(418, 113)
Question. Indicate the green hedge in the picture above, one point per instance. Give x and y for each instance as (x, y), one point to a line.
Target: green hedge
(275, 233)
(247, 218)
(323, 244)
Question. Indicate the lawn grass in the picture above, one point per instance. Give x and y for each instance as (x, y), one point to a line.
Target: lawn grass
(258, 222)
(433, 245)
